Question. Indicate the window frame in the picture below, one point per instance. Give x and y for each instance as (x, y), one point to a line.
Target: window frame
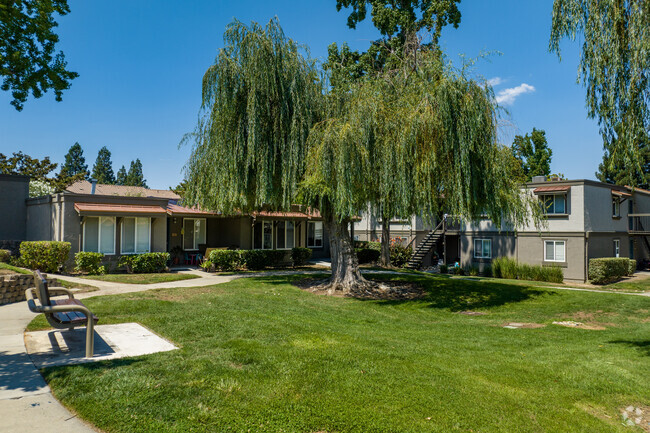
(273, 244)
(275, 234)
(482, 241)
(616, 207)
(555, 242)
(194, 243)
(545, 209)
(135, 236)
(99, 235)
(617, 248)
(322, 236)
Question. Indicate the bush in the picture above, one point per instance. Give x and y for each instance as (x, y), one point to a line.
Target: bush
(254, 260)
(608, 270)
(487, 271)
(89, 263)
(444, 269)
(226, 260)
(146, 263)
(367, 245)
(367, 255)
(276, 258)
(46, 256)
(504, 267)
(4, 256)
(300, 256)
(473, 271)
(630, 270)
(399, 254)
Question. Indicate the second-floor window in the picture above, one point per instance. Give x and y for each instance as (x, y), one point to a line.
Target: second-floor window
(617, 248)
(482, 248)
(616, 207)
(554, 203)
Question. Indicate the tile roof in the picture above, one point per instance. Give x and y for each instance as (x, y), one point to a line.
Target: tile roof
(621, 193)
(85, 187)
(554, 188)
(309, 213)
(119, 208)
(178, 209)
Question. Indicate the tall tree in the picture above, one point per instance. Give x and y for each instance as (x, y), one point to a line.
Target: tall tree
(28, 62)
(19, 163)
(613, 170)
(75, 163)
(398, 23)
(267, 126)
(103, 168)
(135, 177)
(614, 68)
(121, 177)
(533, 154)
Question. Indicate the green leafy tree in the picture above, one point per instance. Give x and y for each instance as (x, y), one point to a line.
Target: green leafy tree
(37, 169)
(614, 67)
(103, 168)
(270, 129)
(613, 170)
(533, 154)
(28, 62)
(121, 177)
(75, 163)
(135, 177)
(180, 189)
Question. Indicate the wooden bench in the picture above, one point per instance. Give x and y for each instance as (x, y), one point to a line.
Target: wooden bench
(62, 314)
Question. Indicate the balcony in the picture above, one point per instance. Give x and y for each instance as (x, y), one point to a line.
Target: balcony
(639, 223)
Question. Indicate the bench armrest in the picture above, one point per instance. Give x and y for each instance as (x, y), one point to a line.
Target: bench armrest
(29, 294)
(60, 291)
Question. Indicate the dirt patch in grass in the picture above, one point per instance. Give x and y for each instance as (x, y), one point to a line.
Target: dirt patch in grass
(522, 325)
(175, 295)
(381, 290)
(472, 313)
(580, 325)
(638, 416)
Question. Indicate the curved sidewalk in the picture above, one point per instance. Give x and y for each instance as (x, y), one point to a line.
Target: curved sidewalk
(26, 402)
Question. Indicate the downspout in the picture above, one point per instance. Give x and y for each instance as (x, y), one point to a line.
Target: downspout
(586, 267)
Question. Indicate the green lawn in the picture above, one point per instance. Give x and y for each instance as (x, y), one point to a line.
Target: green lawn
(634, 285)
(6, 269)
(260, 355)
(73, 285)
(141, 278)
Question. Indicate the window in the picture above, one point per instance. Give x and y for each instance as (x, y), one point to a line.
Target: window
(136, 235)
(554, 204)
(482, 248)
(263, 235)
(284, 235)
(315, 234)
(554, 251)
(617, 248)
(99, 235)
(193, 233)
(616, 207)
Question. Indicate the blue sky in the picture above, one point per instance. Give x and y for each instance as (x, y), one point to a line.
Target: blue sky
(141, 64)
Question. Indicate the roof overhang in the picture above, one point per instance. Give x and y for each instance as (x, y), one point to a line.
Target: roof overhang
(105, 209)
(554, 189)
(177, 210)
(621, 194)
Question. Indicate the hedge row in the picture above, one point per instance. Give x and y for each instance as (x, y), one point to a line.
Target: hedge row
(504, 267)
(46, 256)
(608, 270)
(146, 263)
(4, 256)
(90, 263)
(255, 260)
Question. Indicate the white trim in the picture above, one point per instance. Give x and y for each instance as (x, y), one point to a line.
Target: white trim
(285, 222)
(194, 242)
(481, 256)
(99, 235)
(135, 236)
(321, 234)
(554, 242)
(617, 248)
(554, 195)
(262, 222)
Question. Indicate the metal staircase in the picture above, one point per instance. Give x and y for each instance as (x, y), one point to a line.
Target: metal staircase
(423, 248)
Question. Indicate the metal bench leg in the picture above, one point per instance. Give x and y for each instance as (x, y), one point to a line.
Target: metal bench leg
(90, 337)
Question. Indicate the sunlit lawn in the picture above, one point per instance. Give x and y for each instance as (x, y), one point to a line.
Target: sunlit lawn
(142, 278)
(260, 355)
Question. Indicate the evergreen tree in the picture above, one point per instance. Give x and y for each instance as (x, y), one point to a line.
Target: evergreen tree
(75, 163)
(533, 154)
(121, 178)
(135, 177)
(103, 168)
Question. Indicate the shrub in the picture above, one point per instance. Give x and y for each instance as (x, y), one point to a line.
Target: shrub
(254, 260)
(399, 254)
(444, 269)
(4, 256)
(473, 271)
(608, 270)
(300, 256)
(146, 263)
(504, 267)
(487, 271)
(458, 271)
(367, 255)
(226, 260)
(88, 262)
(46, 256)
(630, 270)
(276, 258)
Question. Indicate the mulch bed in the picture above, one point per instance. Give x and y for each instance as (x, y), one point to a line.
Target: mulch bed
(376, 290)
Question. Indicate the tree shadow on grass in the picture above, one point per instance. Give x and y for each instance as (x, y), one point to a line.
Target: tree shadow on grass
(642, 346)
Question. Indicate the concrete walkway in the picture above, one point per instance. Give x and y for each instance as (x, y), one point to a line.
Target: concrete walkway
(26, 402)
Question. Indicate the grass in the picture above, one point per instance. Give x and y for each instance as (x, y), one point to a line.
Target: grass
(630, 285)
(7, 269)
(74, 285)
(141, 278)
(260, 355)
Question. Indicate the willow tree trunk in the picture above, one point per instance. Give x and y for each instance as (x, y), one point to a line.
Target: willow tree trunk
(345, 266)
(385, 241)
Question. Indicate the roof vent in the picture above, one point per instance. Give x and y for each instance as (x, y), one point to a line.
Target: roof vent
(539, 179)
(93, 185)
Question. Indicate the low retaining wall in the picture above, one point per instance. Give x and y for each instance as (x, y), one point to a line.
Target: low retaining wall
(12, 287)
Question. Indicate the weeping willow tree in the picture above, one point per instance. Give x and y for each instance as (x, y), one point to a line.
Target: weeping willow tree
(615, 69)
(440, 129)
(260, 99)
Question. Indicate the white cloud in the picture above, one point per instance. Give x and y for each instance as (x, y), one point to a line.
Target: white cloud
(508, 96)
(495, 81)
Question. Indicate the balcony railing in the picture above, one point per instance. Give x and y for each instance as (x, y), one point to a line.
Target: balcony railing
(639, 223)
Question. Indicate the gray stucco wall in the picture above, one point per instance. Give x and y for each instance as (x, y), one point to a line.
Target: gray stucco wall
(503, 245)
(530, 249)
(14, 190)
